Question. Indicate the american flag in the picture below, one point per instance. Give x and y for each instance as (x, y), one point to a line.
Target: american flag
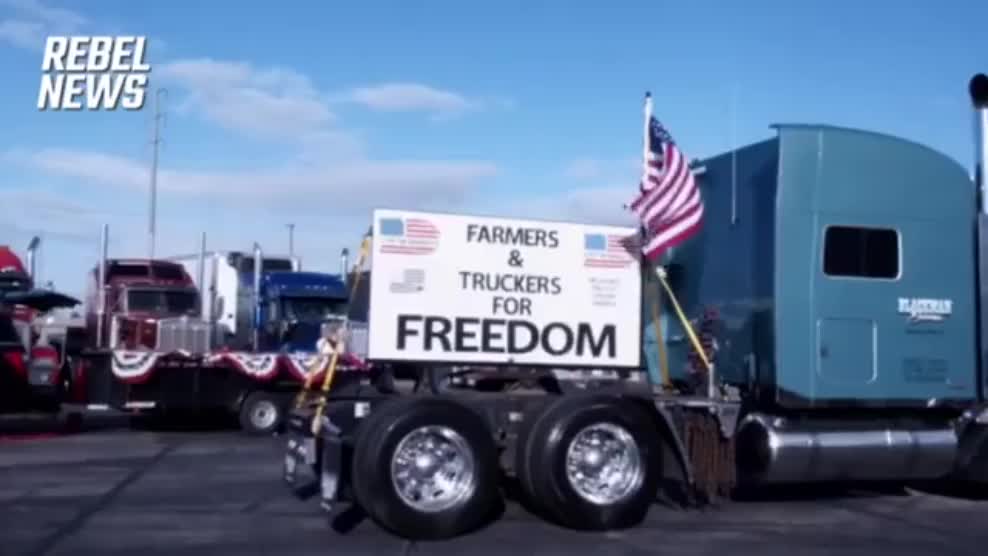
(668, 203)
(408, 236)
(609, 250)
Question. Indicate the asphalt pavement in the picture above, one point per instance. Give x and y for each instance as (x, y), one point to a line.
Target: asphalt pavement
(215, 492)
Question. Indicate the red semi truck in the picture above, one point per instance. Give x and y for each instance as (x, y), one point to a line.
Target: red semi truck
(34, 374)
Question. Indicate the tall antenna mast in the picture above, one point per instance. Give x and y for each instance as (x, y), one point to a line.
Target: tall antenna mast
(734, 153)
(155, 143)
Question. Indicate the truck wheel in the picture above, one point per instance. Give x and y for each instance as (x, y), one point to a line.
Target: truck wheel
(426, 468)
(590, 462)
(261, 413)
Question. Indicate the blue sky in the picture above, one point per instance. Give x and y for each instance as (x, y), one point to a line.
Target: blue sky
(315, 112)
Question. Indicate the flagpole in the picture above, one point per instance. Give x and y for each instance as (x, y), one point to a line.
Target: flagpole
(645, 141)
(656, 292)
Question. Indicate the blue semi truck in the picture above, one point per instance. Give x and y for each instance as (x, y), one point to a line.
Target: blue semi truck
(843, 275)
(294, 304)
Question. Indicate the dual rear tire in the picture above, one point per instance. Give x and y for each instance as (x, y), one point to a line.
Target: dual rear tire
(590, 462)
(427, 468)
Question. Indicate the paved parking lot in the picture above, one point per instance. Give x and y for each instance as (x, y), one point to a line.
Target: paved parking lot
(116, 491)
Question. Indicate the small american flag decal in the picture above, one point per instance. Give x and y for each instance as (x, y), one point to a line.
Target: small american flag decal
(407, 236)
(609, 250)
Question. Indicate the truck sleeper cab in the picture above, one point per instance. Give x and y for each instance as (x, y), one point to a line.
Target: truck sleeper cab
(825, 252)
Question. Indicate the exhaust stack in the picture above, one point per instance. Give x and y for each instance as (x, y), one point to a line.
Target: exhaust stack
(258, 260)
(32, 265)
(104, 243)
(978, 89)
(207, 295)
(201, 268)
(344, 264)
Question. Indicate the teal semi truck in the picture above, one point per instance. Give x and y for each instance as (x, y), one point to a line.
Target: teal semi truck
(843, 276)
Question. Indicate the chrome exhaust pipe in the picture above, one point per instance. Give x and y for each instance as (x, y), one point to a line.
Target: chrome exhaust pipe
(258, 266)
(978, 89)
(201, 269)
(205, 294)
(344, 264)
(32, 267)
(101, 288)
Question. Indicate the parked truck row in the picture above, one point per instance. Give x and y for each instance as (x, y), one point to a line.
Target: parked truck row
(197, 332)
(845, 273)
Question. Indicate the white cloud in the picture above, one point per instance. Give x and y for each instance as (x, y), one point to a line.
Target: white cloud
(589, 205)
(282, 104)
(597, 169)
(26, 212)
(408, 97)
(326, 185)
(58, 17)
(273, 103)
(34, 21)
(25, 34)
(344, 185)
(596, 204)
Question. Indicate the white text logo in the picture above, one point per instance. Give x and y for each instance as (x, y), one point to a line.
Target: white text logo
(95, 73)
(923, 309)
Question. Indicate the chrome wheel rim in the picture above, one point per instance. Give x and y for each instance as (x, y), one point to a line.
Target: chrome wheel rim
(433, 469)
(604, 464)
(263, 415)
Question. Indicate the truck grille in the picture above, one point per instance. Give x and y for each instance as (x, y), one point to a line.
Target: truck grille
(358, 343)
(357, 335)
(183, 334)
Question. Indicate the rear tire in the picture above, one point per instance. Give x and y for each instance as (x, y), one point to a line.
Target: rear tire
(572, 444)
(438, 445)
(262, 413)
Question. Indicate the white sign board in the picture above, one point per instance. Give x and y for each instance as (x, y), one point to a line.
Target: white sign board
(481, 290)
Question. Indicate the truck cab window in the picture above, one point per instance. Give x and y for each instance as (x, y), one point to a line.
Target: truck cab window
(168, 272)
(172, 302)
(11, 282)
(850, 251)
(313, 309)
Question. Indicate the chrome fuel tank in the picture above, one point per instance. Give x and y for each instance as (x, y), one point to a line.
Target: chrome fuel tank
(773, 450)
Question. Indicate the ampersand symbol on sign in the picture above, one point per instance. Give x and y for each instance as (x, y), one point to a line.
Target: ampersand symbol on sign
(514, 258)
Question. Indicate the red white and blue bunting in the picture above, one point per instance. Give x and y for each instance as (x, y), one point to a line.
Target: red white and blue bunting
(137, 366)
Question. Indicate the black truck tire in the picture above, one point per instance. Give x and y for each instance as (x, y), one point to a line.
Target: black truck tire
(379, 439)
(262, 413)
(542, 461)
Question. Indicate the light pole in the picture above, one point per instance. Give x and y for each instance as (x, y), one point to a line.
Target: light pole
(155, 144)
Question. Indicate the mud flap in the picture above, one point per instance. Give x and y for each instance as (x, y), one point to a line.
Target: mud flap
(706, 437)
(301, 457)
(313, 464)
(972, 450)
(331, 469)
